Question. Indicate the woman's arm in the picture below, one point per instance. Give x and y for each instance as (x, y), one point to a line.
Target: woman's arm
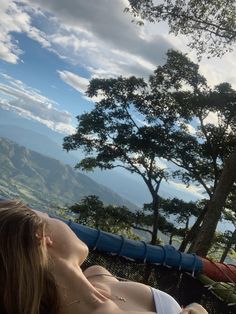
(194, 308)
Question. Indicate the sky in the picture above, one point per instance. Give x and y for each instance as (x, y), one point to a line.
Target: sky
(49, 50)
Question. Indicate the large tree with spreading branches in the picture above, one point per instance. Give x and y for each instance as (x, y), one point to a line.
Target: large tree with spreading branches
(209, 24)
(208, 156)
(117, 133)
(137, 122)
(211, 28)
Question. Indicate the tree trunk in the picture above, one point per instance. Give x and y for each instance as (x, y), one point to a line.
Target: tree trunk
(186, 225)
(192, 232)
(203, 241)
(155, 209)
(171, 238)
(231, 241)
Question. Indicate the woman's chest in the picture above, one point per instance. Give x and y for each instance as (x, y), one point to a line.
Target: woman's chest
(129, 296)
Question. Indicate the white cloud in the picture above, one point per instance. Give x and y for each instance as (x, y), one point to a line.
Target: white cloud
(74, 42)
(212, 118)
(27, 102)
(218, 70)
(97, 35)
(191, 129)
(79, 83)
(161, 163)
(6, 51)
(13, 18)
(196, 191)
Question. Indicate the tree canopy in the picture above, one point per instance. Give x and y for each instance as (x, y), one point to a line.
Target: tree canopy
(94, 213)
(210, 24)
(173, 117)
(118, 133)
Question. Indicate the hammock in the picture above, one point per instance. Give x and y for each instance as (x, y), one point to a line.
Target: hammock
(187, 277)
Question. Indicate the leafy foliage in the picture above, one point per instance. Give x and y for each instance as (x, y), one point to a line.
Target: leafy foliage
(182, 210)
(200, 153)
(92, 212)
(210, 24)
(116, 133)
(174, 116)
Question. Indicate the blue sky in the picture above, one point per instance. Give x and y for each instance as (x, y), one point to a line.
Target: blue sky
(50, 49)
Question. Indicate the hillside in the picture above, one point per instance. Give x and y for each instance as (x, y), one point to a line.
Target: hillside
(42, 181)
(34, 137)
(37, 142)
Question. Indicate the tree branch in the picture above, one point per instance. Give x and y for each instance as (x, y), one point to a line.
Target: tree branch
(140, 228)
(198, 178)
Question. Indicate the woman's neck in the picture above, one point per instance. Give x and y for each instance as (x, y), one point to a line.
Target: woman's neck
(77, 294)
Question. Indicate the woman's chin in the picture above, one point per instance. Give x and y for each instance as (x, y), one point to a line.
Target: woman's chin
(84, 253)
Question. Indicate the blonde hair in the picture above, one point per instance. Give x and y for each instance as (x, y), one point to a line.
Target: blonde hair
(27, 286)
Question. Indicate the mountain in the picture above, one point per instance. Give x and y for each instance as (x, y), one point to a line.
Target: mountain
(42, 181)
(40, 138)
(36, 142)
(19, 130)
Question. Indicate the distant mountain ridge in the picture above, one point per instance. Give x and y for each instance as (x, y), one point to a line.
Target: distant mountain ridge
(42, 181)
(126, 186)
(36, 142)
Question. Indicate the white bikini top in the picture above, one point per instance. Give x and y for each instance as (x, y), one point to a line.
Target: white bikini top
(164, 303)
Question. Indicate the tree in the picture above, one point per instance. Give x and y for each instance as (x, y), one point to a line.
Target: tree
(116, 133)
(230, 215)
(210, 24)
(94, 213)
(137, 122)
(202, 156)
(203, 240)
(230, 239)
(182, 211)
(144, 221)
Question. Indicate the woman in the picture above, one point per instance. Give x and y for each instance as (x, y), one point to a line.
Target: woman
(40, 259)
